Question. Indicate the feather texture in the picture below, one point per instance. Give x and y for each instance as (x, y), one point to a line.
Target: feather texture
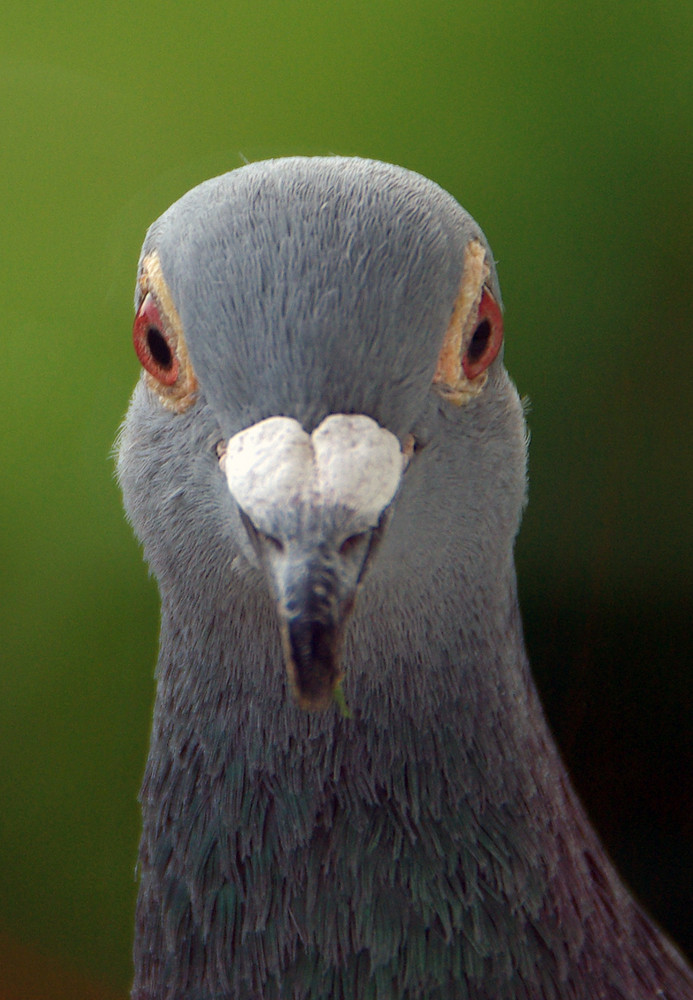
(430, 845)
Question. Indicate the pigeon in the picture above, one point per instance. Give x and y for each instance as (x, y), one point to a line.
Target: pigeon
(351, 790)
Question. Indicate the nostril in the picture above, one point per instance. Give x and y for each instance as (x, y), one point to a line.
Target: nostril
(270, 541)
(260, 540)
(353, 542)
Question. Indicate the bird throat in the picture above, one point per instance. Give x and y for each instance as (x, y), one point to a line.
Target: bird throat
(280, 844)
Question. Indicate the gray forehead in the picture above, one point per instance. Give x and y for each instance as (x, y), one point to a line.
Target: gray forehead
(314, 285)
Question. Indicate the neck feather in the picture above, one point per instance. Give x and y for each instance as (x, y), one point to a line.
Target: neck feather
(428, 846)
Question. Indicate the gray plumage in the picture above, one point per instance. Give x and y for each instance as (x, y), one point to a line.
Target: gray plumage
(429, 845)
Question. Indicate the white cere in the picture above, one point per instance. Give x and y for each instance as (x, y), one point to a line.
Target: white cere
(349, 461)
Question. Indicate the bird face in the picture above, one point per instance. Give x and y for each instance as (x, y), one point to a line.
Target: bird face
(299, 316)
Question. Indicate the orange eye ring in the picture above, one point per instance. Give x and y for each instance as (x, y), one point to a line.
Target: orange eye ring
(152, 345)
(487, 337)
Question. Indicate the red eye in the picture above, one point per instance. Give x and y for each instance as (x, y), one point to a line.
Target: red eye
(486, 339)
(152, 345)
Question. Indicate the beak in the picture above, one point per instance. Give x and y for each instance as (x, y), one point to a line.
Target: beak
(314, 508)
(315, 582)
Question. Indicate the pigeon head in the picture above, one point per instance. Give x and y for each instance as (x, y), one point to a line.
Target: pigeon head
(306, 328)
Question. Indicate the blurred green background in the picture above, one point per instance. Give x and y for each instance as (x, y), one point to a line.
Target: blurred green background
(566, 129)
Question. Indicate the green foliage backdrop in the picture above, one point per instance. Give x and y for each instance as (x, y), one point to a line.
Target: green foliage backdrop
(566, 130)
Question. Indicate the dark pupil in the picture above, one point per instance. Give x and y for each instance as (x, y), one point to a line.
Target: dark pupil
(479, 341)
(158, 348)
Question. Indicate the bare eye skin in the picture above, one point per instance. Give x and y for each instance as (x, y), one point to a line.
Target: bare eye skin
(152, 345)
(486, 339)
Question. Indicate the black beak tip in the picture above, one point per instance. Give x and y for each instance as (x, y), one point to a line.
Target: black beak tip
(313, 697)
(312, 662)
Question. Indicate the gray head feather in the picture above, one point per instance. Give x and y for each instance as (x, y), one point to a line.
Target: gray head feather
(334, 230)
